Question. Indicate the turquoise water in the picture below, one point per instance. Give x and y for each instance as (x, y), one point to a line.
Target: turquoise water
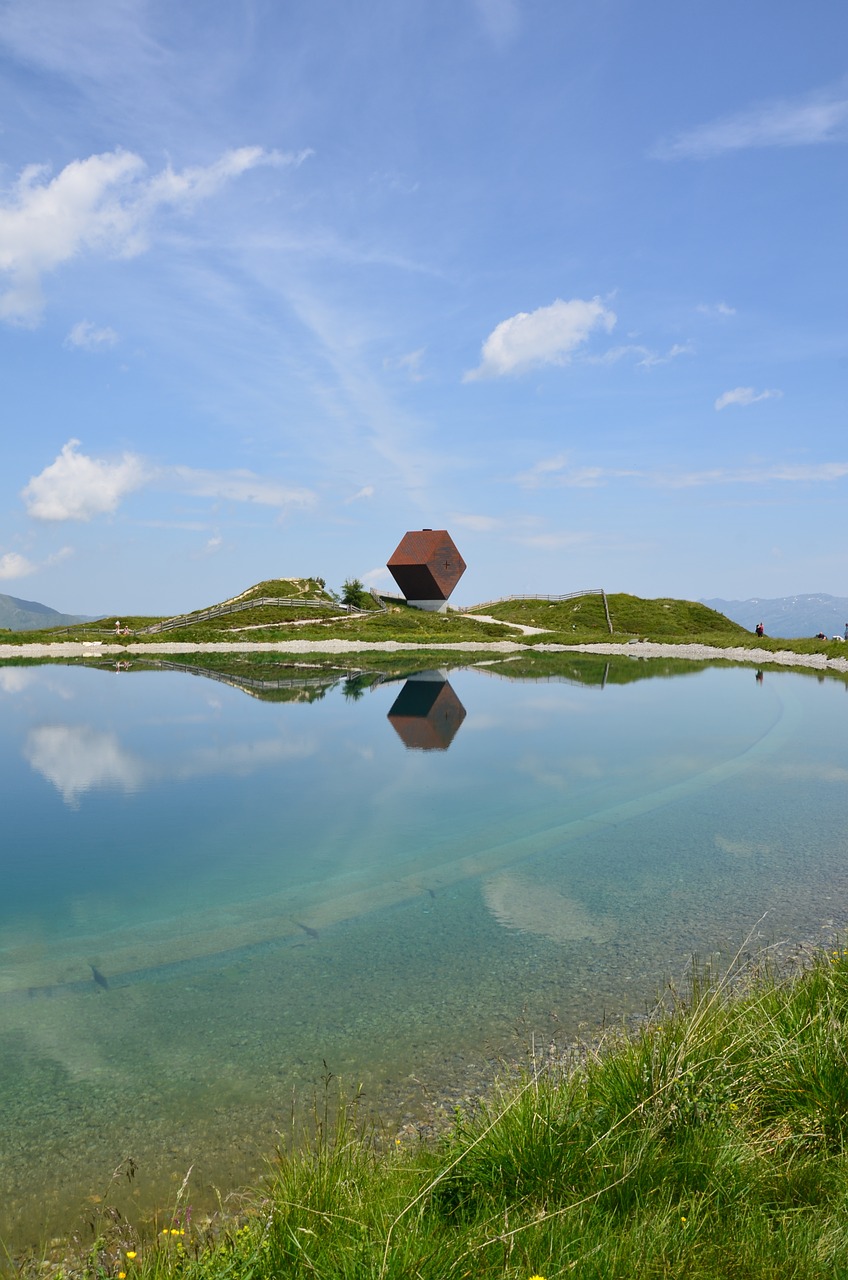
(207, 897)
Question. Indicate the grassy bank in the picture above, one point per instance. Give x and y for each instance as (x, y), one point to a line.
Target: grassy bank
(712, 1143)
(581, 620)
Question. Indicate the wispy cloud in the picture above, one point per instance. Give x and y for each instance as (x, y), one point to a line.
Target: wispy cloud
(367, 491)
(86, 335)
(104, 205)
(87, 40)
(647, 357)
(78, 487)
(808, 122)
(745, 396)
(500, 19)
(800, 473)
(477, 524)
(549, 335)
(232, 486)
(555, 541)
(410, 364)
(715, 309)
(557, 473)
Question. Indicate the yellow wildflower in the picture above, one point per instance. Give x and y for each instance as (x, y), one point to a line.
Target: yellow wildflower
(131, 1253)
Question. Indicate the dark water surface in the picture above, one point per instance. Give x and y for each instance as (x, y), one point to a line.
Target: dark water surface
(207, 896)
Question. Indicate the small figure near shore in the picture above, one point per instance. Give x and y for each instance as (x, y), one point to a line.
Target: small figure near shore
(760, 629)
(846, 630)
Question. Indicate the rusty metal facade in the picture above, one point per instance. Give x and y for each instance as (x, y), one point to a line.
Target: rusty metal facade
(426, 715)
(426, 564)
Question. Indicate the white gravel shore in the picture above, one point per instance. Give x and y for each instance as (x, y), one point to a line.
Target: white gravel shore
(638, 649)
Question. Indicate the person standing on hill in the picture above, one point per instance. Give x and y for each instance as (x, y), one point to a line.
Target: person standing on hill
(760, 629)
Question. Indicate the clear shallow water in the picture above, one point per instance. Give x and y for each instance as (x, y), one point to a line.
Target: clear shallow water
(270, 886)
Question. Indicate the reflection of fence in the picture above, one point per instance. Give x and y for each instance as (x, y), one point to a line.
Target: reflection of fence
(248, 683)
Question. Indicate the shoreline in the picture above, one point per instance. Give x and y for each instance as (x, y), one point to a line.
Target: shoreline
(629, 649)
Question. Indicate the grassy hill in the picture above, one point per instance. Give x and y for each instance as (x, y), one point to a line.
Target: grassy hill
(303, 609)
(631, 617)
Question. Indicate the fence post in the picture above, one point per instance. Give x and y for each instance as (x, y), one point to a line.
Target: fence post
(606, 609)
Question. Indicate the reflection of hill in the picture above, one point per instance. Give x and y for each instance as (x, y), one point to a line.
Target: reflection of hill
(426, 714)
(300, 687)
(597, 670)
(272, 678)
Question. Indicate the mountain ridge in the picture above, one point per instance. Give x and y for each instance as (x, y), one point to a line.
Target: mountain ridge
(791, 616)
(30, 615)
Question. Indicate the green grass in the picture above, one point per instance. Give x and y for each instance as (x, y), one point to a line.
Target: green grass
(578, 621)
(630, 617)
(712, 1143)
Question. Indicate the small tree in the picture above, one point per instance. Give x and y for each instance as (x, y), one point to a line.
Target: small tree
(353, 592)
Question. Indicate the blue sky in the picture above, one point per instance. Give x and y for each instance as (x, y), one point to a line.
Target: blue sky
(282, 279)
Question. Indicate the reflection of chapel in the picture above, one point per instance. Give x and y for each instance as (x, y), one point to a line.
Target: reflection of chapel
(426, 714)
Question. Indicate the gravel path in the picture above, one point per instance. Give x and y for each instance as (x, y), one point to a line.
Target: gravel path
(638, 649)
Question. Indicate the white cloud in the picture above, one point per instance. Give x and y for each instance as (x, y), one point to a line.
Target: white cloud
(15, 679)
(210, 547)
(374, 577)
(556, 473)
(235, 486)
(13, 565)
(241, 759)
(555, 541)
(500, 19)
(715, 309)
(86, 335)
(800, 473)
(744, 396)
(59, 556)
(653, 358)
(648, 358)
(477, 524)
(367, 491)
(76, 487)
(78, 758)
(774, 124)
(104, 204)
(549, 335)
(409, 364)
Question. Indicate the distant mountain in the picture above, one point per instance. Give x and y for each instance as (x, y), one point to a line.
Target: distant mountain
(788, 616)
(29, 615)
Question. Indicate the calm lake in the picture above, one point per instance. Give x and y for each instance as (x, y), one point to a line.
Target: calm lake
(214, 895)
